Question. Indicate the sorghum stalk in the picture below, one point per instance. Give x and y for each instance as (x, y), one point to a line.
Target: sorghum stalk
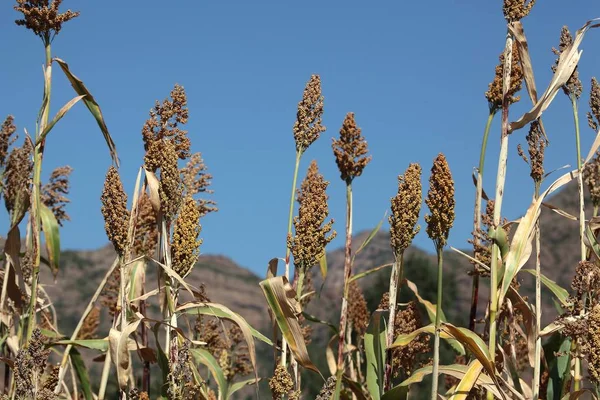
(347, 275)
(500, 182)
(477, 217)
(438, 319)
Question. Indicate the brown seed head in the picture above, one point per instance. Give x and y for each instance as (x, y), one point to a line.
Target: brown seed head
(537, 145)
(30, 364)
(591, 177)
(440, 200)
(90, 325)
(406, 358)
(308, 127)
(573, 86)
(42, 17)
(110, 292)
(281, 383)
(114, 210)
(55, 191)
(146, 234)
(328, 389)
(350, 150)
(594, 116)
(185, 248)
(494, 93)
(358, 313)
(405, 209)
(164, 122)
(17, 180)
(594, 343)
(516, 10)
(6, 131)
(163, 156)
(196, 180)
(308, 246)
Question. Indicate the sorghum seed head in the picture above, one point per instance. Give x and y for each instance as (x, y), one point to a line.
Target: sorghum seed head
(594, 116)
(185, 248)
(42, 17)
(573, 86)
(350, 150)
(6, 131)
(516, 10)
(308, 127)
(328, 389)
(440, 200)
(162, 155)
(405, 209)
(196, 180)
(308, 245)
(406, 358)
(494, 93)
(90, 325)
(146, 233)
(17, 180)
(55, 191)
(114, 210)
(537, 145)
(591, 177)
(358, 313)
(281, 383)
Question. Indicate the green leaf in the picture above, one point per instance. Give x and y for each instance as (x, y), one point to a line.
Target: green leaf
(560, 293)
(50, 228)
(375, 352)
(61, 113)
(369, 272)
(323, 266)
(320, 321)
(82, 374)
(405, 339)
(370, 237)
(94, 344)
(281, 300)
(163, 362)
(474, 343)
(203, 356)
(240, 385)
(92, 105)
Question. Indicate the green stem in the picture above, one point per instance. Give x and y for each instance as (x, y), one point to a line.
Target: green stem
(500, 183)
(538, 307)
(347, 275)
(438, 319)
(289, 232)
(36, 195)
(477, 217)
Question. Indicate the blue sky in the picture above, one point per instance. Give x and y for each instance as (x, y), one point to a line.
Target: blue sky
(414, 73)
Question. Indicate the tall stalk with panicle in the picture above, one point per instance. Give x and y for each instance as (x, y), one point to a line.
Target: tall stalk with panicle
(440, 200)
(573, 88)
(45, 21)
(536, 147)
(350, 152)
(307, 129)
(403, 228)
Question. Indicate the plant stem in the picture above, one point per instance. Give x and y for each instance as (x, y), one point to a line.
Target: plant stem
(477, 217)
(104, 379)
(438, 319)
(577, 378)
(538, 307)
(287, 249)
(347, 274)
(395, 279)
(36, 221)
(500, 182)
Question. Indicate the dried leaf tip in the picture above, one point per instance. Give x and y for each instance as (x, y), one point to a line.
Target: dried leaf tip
(43, 18)
(494, 92)
(185, 248)
(573, 87)
(55, 191)
(114, 210)
(308, 127)
(594, 115)
(516, 10)
(308, 245)
(350, 150)
(440, 200)
(405, 209)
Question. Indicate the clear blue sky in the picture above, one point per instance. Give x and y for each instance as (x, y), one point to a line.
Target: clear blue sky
(413, 72)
